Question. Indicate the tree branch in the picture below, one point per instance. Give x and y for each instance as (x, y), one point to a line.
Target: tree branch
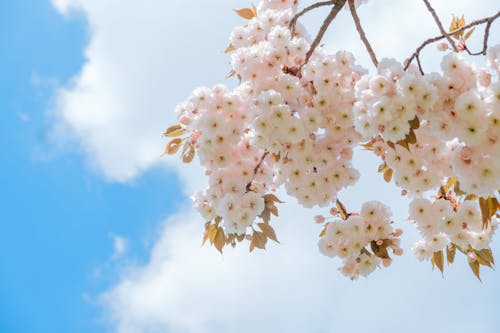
(333, 13)
(294, 20)
(255, 170)
(489, 20)
(361, 32)
(439, 24)
(485, 41)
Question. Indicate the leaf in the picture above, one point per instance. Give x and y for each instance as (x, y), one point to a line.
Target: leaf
(438, 260)
(404, 144)
(379, 250)
(230, 48)
(414, 123)
(246, 13)
(323, 232)
(231, 74)
(450, 183)
(212, 233)
(483, 204)
(172, 147)
(457, 23)
(174, 131)
(265, 215)
(450, 253)
(388, 175)
(383, 167)
(220, 239)
(469, 33)
(341, 209)
(259, 240)
(391, 144)
(188, 152)
(486, 256)
(272, 198)
(411, 138)
(272, 208)
(471, 197)
(268, 231)
(475, 267)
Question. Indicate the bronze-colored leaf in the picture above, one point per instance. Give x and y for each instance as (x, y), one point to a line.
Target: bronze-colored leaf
(323, 232)
(271, 198)
(411, 138)
(173, 146)
(486, 256)
(483, 204)
(450, 183)
(259, 240)
(188, 152)
(451, 250)
(240, 238)
(404, 144)
(212, 233)
(231, 74)
(380, 250)
(391, 144)
(471, 197)
(457, 189)
(230, 238)
(341, 208)
(220, 239)
(469, 33)
(246, 13)
(174, 131)
(265, 215)
(388, 175)
(268, 231)
(414, 123)
(383, 167)
(438, 259)
(272, 208)
(230, 48)
(475, 267)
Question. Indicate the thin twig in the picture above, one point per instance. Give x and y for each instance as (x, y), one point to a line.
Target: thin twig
(293, 22)
(333, 13)
(361, 32)
(437, 38)
(439, 24)
(256, 170)
(485, 41)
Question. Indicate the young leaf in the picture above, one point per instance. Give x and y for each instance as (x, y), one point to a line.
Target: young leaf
(268, 231)
(379, 250)
(174, 131)
(246, 13)
(271, 197)
(341, 209)
(438, 260)
(469, 33)
(475, 267)
(220, 239)
(259, 240)
(388, 175)
(173, 146)
(450, 253)
(188, 153)
(230, 48)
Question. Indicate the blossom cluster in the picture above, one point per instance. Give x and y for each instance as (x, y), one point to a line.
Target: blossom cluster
(442, 223)
(295, 123)
(351, 240)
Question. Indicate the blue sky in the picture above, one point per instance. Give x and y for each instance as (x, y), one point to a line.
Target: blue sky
(109, 73)
(58, 215)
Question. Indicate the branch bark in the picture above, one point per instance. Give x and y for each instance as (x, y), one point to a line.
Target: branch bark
(489, 20)
(333, 13)
(439, 24)
(362, 33)
(294, 20)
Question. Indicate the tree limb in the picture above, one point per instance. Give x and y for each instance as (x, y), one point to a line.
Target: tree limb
(333, 13)
(489, 20)
(439, 24)
(294, 20)
(361, 32)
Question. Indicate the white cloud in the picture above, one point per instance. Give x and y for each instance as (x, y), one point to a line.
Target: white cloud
(146, 55)
(120, 245)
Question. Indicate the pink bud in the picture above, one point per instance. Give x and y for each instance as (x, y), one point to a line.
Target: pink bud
(442, 46)
(472, 257)
(397, 232)
(484, 78)
(319, 219)
(386, 262)
(398, 251)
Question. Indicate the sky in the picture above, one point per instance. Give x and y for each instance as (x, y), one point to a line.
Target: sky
(97, 232)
